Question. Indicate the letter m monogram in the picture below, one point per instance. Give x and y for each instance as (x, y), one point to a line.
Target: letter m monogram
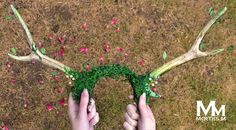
(211, 106)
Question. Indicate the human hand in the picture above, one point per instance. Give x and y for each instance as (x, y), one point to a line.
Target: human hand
(144, 120)
(82, 115)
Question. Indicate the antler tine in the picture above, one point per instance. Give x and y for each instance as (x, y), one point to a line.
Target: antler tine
(35, 54)
(29, 36)
(194, 52)
(24, 58)
(195, 47)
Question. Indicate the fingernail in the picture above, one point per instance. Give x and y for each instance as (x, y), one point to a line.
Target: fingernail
(85, 92)
(144, 95)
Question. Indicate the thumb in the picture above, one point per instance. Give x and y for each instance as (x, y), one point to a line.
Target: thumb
(84, 100)
(73, 107)
(142, 105)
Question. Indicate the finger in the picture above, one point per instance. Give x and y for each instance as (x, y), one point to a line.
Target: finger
(130, 120)
(94, 120)
(131, 110)
(142, 105)
(91, 128)
(92, 113)
(150, 112)
(127, 126)
(84, 100)
(131, 96)
(91, 105)
(73, 107)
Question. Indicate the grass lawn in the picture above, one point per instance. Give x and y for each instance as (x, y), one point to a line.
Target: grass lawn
(142, 32)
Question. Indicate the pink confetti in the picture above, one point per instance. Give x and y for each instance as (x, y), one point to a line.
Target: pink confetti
(126, 54)
(60, 90)
(61, 73)
(114, 21)
(106, 47)
(117, 30)
(8, 65)
(50, 36)
(40, 81)
(55, 54)
(56, 78)
(152, 99)
(62, 102)
(4, 127)
(84, 50)
(84, 26)
(154, 89)
(49, 107)
(102, 59)
(34, 61)
(13, 81)
(119, 49)
(40, 45)
(87, 67)
(61, 52)
(141, 62)
(62, 39)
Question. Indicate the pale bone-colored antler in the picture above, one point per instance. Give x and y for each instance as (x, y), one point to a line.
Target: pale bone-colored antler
(35, 54)
(193, 53)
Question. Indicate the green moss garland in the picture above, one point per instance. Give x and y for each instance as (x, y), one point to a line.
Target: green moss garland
(88, 79)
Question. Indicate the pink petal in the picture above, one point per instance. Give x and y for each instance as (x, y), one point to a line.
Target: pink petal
(84, 50)
(8, 65)
(13, 81)
(34, 61)
(102, 59)
(106, 47)
(62, 39)
(61, 52)
(154, 89)
(62, 102)
(41, 81)
(40, 45)
(49, 107)
(119, 49)
(50, 36)
(117, 30)
(114, 21)
(55, 54)
(56, 78)
(87, 67)
(61, 73)
(141, 62)
(60, 90)
(126, 54)
(152, 99)
(4, 127)
(84, 26)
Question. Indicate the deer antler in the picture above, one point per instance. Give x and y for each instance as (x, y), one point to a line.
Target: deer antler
(35, 54)
(193, 53)
(140, 83)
